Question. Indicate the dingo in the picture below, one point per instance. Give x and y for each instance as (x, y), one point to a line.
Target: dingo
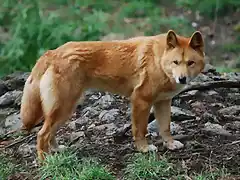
(148, 70)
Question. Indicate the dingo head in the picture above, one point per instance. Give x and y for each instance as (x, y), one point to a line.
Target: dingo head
(183, 58)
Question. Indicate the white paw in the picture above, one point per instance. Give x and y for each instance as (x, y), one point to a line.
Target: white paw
(174, 145)
(151, 147)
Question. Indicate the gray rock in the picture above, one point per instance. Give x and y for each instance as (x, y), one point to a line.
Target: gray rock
(216, 129)
(230, 113)
(2, 131)
(72, 125)
(209, 68)
(109, 116)
(76, 135)
(179, 114)
(192, 93)
(3, 88)
(202, 78)
(174, 127)
(209, 117)
(79, 123)
(232, 76)
(235, 125)
(16, 80)
(18, 100)
(10, 97)
(232, 110)
(104, 102)
(13, 122)
(90, 112)
(4, 113)
(26, 149)
(217, 105)
(109, 128)
(211, 93)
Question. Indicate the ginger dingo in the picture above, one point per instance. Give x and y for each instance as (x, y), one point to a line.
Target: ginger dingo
(150, 70)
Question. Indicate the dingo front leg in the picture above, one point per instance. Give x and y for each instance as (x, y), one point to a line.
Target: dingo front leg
(140, 114)
(162, 112)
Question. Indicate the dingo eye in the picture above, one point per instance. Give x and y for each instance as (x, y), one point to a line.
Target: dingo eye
(175, 62)
(190, 63)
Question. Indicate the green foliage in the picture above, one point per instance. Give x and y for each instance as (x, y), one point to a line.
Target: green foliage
(7, 168)
(148, 167)
(67, 166)
(36, 26)
(178, 24)
(35, 30)
(209, 7)
(216, 174)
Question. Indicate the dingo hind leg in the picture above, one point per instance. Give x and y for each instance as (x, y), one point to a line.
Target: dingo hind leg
(31, 109)
(59, 100)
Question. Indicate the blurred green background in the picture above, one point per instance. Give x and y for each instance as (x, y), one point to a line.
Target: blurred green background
(30, 27)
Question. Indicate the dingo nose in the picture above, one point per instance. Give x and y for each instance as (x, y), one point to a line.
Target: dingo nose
(182, 80)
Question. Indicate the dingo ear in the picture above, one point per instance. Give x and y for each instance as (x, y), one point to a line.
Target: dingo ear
(172, 41)
(196, 42)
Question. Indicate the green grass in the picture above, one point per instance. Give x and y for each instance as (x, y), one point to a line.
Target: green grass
(7, 168)
(66, 166)
(148, 166)
(218, 173)
(222, 69)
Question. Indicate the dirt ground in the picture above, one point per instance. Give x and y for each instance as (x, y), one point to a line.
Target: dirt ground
(112, 143)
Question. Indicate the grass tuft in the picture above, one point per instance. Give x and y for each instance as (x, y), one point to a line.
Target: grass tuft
(148, 166)
(7, 168)
(67, 166)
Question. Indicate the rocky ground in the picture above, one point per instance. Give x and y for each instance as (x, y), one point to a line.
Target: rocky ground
(207, 122)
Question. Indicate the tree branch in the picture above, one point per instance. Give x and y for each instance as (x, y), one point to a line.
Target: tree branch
(211, 85)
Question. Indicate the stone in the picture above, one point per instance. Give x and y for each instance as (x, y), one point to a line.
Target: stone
(174, 127)
(25, 149)
(2, 131)
(104, 102)
(109, 128)
(4, 113)
(209, 117)
(216, 129)
(211, 93)
(76, 135)
(79, 122)
(18, 100)
(109, 116)
(202, 78)
(16, 80)
(72, 125)
(179, 114)
(232, 110)
(13, 122)
(90, 112)
(9, 98)
(3, 88)
(235, 125)
(209, 68)
(232, 76)
(217, 105)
